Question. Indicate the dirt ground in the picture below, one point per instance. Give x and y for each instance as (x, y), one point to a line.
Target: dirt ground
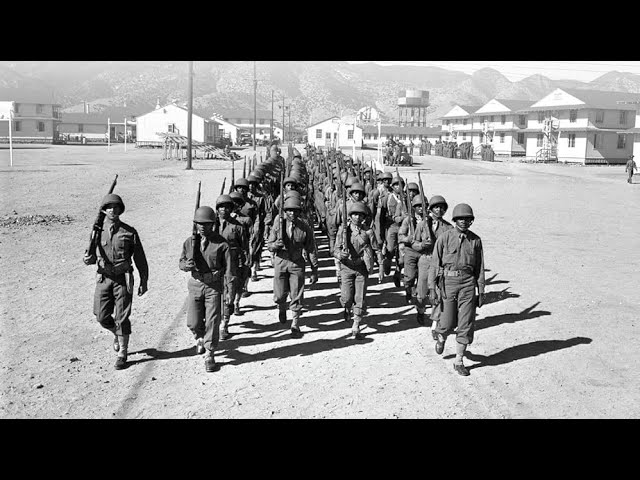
(557, 338)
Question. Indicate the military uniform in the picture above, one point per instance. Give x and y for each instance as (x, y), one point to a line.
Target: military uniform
(630, 167)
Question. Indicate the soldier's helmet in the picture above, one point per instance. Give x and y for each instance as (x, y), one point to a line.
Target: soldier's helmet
(112, 198)
(290, 180)
(343, 176)
(237, 198)
(292, 203)
(241, 182)
(386, 175)
(224, 200)
(350, 181)
(438, 200)
(462, 210)
(417, 201)
(258, 173)
(357, 187)
(397, 180)
(413, 186)
(359, 207)
(204, 214)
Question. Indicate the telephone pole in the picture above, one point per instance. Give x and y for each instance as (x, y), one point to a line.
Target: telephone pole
(255, 89)
(190, 115)
(271, 138)
(283, 131)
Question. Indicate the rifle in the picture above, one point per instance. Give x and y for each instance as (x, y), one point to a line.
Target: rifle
(194, 232)
(233, 175)
(345, 247)
(409, 212)
(223, 183)
(97, 226)
(283, 222)
(425, 212)
(244, 168)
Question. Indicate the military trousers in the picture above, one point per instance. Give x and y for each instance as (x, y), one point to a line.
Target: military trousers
(204, 309)
(459, 308)
(353, 288)
(422, 285)
(393, 249)
(288, 281)
(112, 302)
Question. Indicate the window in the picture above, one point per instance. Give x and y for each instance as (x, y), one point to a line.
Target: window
(600, 116)
(502, 138)
(18, 126)
(328, 136)
(623, 117)
(350, 134)
(335, 135)
(464, 135)
(573, 116)
(482, 119)
(520, 138)
(503, 119)
(16, 108)
(481, 137)
(39, 108)
(540, 117)
(448, 122)
(464, 122)
(491, 118)
(572, 140)
(80, 128)
(622, 140)
(539, 141)
(171, 128)
(596, 140)
(41, 126)
(318, 133)
(375, 136)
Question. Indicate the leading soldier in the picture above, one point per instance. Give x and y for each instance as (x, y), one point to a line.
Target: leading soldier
(118, 245)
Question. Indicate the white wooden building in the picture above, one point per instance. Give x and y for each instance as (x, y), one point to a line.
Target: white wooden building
(173, 118)
(335, 131)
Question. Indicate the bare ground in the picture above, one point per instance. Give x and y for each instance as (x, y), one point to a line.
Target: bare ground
(557, 338)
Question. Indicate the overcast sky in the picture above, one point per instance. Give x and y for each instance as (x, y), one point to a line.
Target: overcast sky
(584, 71)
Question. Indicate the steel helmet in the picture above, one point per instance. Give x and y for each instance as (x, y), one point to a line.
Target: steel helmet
(397, 180)
(253, 179)
(204, 215)
(290, 180)
(258, 172)
(224, 200)
(350, 181)
(241, 182)
(386, 175)
(417, 201)
(112, 198)
(462, 210)
(237, 198)
(292, 193)
(292, 203)
(437, 200)
(413, 186)
(357, 187)
(358, 207)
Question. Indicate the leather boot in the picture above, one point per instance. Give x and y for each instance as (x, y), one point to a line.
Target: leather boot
(236, 307)
(346, 314)
(295, 329)
(282, 315)
(420, 318)
(355, 328)
(209, 362)
(224, 329)
(121, 361)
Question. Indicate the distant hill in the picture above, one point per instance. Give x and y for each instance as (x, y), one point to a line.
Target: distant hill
(313, 90)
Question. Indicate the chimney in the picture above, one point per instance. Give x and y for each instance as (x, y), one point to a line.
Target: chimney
(84, 107)
(158, 103)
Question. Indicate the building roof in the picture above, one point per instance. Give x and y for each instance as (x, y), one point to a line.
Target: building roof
(592, 99)
(85, 118)
(398, 130)
(513, 105)
(322, 121)
(206, 116)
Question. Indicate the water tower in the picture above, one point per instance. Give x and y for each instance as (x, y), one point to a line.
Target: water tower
(412, 108)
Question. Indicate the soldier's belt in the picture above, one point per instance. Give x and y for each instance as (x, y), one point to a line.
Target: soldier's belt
(456, 273)
(207, 277)
(110, 270)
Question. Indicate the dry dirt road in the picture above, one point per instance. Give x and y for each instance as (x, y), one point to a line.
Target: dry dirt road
(557, 338)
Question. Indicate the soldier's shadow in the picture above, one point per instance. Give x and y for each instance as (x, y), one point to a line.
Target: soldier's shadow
(155, 354)
(526, 314)
(519, 352)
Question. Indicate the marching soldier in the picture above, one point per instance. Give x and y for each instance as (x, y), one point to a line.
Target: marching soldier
(394, 200)
(244, 271)
(257, 239)
(631, 166)
(234, 233)
(289, 262)
(357, 259)
(119, 244)
(458, 263)
(209, 268)
(406, 236)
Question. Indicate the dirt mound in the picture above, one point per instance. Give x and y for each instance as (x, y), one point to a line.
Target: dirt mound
(16, 220)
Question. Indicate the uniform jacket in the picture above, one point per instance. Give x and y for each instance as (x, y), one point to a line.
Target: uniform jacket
(455, 250)
(117, 247)
(235, 234)
(361, 245)
(212, 263)
(303, 239)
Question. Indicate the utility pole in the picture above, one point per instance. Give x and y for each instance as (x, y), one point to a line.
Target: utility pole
(190, 115)
(255, 89)
(283, 137)
(271, 138)
(289, 113)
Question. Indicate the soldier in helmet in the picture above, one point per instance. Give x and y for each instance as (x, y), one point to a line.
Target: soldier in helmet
(630, 168)
(210, 266)
(235, 234)
(459, 258)
(394, 200)
(244, 266)
(289, 262)
(406, 236)
(257, 237)
(357, 260)
(118, 249)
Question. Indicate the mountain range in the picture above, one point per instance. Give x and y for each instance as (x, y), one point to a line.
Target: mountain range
(313, 90)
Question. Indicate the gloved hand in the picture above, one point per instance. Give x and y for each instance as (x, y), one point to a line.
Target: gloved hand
(89, 259)
(189, 265)
(142, 289)
(314, 277)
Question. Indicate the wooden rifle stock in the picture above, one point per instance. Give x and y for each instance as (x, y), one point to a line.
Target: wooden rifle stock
(233, 175)
(194, 232)
(425, 212)
(283, 221)
(97, 225)
(223, 184)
